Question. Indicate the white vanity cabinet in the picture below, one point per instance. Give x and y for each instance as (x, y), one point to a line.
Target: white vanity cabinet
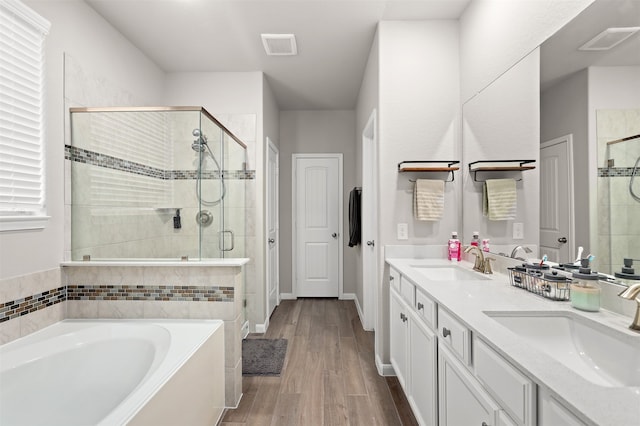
(552, 413)
(413, 351)
(462, 401)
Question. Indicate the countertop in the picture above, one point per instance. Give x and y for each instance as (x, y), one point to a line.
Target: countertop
(468, 300)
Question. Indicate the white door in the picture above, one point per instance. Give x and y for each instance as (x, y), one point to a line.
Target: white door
(317, 227)
(273, 289)
(556, 199)
(369, 214)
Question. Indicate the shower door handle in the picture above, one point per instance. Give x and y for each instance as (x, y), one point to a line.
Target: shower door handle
(222, 240)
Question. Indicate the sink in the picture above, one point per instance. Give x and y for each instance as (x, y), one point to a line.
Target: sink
(600, 354)
(448, 273)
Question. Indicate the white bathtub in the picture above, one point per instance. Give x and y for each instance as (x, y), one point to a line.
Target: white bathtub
(115, 372)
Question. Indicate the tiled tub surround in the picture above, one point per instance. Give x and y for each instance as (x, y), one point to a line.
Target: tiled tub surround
(165, 290)
(180, 383)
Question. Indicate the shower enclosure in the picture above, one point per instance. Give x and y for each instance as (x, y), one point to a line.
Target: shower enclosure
(155, 183)
(618, 133)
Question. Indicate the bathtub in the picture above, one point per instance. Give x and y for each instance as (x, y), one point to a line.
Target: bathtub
(115, 372)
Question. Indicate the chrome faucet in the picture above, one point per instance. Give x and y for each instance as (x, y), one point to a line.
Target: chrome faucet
(515, 250)
(481, 265)
(633, 293)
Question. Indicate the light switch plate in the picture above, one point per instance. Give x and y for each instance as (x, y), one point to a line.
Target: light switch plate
(518, 231)
(403, 231)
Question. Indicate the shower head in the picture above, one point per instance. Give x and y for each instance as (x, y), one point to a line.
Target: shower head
(199, 142)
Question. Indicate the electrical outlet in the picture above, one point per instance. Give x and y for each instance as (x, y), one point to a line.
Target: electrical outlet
(518, 231)
(403, 231)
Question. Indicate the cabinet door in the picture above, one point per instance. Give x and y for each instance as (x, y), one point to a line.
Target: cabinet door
(398, 333)
(462, 401)
(552, 412)
(423, 386)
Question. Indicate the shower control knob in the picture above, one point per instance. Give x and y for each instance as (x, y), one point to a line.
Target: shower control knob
(562, 240)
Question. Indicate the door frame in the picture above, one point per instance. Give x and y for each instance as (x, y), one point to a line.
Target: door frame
(370, 192)
(568, 141)
(276, 189)
(294, 233)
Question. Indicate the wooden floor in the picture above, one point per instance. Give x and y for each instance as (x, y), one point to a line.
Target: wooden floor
(329, 375)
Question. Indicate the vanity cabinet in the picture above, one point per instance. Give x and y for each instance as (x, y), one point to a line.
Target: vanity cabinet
(462, 401)
(399, 332)
(551, 412)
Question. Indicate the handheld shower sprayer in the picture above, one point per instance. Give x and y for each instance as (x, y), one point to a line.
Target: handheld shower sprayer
(200, 141)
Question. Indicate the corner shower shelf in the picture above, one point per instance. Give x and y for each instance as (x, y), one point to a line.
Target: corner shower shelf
(499, 166)
(425, 166)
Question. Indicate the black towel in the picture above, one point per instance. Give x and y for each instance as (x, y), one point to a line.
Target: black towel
(354, 217)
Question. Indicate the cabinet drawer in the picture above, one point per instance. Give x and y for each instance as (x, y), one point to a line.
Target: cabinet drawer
(513, 390)
(455, 335)
(426, 308)
(394, 279)
(407, 290)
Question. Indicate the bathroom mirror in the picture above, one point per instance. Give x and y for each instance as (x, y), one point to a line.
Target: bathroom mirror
(593, 96)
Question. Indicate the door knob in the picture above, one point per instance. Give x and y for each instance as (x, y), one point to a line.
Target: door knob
(271, 240)
(562, 240)
(334, 235)
(371, 243)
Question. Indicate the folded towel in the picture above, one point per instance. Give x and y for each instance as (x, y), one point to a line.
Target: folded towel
(428, 199)
(499, 199)
(355, 217)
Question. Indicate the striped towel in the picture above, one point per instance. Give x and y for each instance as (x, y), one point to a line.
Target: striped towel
(499, 200)
(428, 199)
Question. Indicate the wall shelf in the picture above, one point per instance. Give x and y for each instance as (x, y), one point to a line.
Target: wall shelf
(499, 166)
(429, 167)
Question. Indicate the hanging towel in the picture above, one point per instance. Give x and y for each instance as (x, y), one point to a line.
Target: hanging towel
(428, 199)
(354, 217)
(499, 200)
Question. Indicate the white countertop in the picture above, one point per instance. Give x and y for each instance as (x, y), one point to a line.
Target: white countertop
(594, 404)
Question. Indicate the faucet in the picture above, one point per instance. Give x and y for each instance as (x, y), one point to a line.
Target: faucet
(515, 250)
(481, 265)
(633, 293)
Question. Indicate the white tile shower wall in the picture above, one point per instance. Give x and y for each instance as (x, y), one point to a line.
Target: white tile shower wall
(24, 286)
(618, 212)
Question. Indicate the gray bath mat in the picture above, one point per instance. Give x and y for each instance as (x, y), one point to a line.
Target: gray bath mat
(263, 357)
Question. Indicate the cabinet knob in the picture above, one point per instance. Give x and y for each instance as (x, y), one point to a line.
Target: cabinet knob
(446, 332)
(420, 306)
(391, 278)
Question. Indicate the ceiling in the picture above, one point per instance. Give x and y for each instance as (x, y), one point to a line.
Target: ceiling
(560, 56)
(334, 38)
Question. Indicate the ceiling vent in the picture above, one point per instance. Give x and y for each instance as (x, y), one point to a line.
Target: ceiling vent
(609, 38)
(280, 44)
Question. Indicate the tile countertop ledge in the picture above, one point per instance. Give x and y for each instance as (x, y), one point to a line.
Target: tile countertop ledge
(468, 300)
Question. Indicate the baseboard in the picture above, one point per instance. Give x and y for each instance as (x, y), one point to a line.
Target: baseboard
(287, 296)
(384, 369)
(360, 313)
(245, 330)
(348, 296)
(262, 328)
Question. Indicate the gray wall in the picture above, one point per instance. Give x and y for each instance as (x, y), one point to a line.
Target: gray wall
(563, 111)
(311, 132)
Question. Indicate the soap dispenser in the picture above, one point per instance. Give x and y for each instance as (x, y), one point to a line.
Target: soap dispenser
(585, 292)
(627, 272)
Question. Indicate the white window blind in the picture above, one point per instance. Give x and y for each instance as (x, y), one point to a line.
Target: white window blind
(22, 198)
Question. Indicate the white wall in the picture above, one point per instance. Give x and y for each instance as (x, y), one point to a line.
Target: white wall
(419, 119)
(563, 111)
(503, 123)
(306, 132)
(367, 102)
(496, 34)
(77, 30)
(227, 95)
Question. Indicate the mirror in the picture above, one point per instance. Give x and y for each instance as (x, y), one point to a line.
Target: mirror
(583, 95)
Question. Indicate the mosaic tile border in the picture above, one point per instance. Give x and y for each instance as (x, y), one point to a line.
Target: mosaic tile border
(30, 304)
(615, 171)
(93, 158)
(16, 308)
(152, 293)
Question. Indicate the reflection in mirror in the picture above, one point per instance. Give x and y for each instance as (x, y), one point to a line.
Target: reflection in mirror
(618, 188)
(591, 97)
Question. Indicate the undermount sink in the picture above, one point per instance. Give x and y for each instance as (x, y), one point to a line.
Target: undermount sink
(448, 273)
(600, 354)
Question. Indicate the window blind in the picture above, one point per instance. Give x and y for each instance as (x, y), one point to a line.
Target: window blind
(22, 34)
